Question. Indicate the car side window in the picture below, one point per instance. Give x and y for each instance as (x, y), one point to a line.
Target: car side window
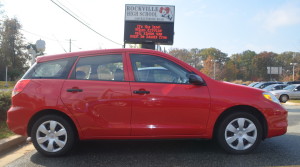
(55, 69)
(104, 67)
(297, 89)
(148, 68)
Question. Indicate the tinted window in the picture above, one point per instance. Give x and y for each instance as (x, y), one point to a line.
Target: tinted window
(106, 67)
(149, 68)
(56, 69)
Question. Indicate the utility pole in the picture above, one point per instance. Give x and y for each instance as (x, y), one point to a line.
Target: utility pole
(293, 64)
(214, 69)
(70, 44)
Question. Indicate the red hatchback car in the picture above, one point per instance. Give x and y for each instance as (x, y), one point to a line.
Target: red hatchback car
(136, 94)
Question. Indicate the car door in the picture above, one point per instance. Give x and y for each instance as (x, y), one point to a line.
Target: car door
(164, 102)
(295, 94)
(98, 95)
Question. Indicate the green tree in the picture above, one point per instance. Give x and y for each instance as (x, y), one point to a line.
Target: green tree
(230, 71)
(264, 60)
(215, 58)
(12, 50)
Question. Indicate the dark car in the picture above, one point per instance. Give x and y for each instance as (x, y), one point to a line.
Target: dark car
(292, 82)
(137, 94)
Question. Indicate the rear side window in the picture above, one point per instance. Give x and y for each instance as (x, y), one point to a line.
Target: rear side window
(104, 68)
(56, 69)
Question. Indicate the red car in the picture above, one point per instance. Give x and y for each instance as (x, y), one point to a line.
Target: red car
(136, 94)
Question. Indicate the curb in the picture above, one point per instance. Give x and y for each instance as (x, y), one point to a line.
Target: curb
(11, 142)
(290, 103)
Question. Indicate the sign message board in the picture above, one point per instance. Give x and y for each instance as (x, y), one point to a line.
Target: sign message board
(149, 24)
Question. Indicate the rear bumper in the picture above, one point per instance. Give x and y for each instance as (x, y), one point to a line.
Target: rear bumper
(17, 121)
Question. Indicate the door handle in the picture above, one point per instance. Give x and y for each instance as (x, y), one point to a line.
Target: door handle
(141, 92)
(74, 90)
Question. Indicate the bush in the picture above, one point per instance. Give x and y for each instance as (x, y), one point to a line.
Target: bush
(5, 102)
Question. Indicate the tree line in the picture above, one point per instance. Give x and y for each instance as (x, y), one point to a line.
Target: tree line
(245, 66)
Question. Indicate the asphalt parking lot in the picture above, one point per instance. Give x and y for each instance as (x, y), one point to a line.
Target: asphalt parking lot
(277, 151)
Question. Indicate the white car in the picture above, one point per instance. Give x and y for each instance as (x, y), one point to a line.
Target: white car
(291, 92)
(275, 87)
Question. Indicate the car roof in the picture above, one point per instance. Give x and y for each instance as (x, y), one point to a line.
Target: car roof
(293, 85)
(92, 52)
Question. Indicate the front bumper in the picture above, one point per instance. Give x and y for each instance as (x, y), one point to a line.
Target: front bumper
(277, 118)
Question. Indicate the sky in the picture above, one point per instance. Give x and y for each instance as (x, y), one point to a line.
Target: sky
(232, 26)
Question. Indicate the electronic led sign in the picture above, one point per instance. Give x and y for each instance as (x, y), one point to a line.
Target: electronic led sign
(149, 24)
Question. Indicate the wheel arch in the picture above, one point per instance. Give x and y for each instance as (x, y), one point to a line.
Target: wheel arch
(50, 112)
(243, 108)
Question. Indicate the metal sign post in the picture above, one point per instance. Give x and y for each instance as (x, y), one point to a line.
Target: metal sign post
(6, 84)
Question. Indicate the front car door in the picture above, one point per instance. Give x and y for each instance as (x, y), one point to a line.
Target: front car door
(164, 102)
(98, 95)
(295, 94)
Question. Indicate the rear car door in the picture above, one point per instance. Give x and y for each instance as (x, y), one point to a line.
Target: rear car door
(98, 95)
(164, 102)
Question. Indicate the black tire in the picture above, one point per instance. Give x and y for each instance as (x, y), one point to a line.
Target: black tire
(53, 141)
(283, 98)
(239, 140)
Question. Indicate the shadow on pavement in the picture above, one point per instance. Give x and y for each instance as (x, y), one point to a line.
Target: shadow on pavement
(278, 151)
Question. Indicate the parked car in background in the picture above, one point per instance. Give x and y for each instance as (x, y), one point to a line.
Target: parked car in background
(291, 92)
(136, 94)
(275, 87)
(253, 84)
(262, 85)
(292, 82)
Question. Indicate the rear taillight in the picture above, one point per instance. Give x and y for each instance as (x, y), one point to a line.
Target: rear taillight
(19, 87)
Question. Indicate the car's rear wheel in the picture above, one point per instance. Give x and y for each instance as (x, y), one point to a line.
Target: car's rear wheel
(239, 133)
(52, 135)
(283, 98)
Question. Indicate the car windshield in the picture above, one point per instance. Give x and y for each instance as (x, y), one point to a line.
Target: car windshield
(259, 84)
(290, 87)
(268, 88)
(253, 83)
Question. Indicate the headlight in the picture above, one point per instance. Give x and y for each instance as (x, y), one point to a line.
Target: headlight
(271, 97)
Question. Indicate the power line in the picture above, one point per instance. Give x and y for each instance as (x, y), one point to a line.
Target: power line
(39, 35)
(81, 15)
(60, 44)
(52, 39)
(70, 11)
(85, 24)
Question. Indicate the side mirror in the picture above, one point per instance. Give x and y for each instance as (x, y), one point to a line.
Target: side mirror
(196, 80)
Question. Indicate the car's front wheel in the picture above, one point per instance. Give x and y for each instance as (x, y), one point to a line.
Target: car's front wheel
(52, 135)
(284, 98)
(239, 133)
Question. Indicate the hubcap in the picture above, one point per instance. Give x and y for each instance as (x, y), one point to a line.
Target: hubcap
(240, 134)
(284, 98)
(51, 136)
